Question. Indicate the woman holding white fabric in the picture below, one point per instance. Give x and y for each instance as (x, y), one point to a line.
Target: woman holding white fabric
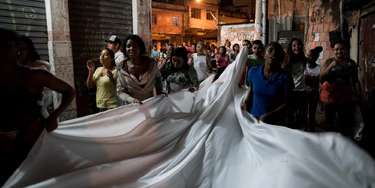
(202, 62)
(138, 76)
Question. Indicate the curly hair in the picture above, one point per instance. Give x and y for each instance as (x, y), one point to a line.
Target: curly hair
(33, 54)
(290, 57)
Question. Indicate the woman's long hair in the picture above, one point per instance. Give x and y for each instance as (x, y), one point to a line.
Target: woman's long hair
(32, 53)
(112, 55)
(181, 52)
(290, 57)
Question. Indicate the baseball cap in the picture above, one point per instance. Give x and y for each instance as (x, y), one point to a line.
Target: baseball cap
(114, 39)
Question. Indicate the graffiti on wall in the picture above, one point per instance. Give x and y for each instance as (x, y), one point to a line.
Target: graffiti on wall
(237, 33)
(28, 12)
(317, 16)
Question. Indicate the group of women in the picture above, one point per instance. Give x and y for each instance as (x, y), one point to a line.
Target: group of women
(140, 76)
(289, 85)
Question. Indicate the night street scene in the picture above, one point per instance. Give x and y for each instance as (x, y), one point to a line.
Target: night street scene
(187, 93)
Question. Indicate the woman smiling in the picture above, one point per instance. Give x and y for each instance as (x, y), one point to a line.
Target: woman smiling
(139, 75)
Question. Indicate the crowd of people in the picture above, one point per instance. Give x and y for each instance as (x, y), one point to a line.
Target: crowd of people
(284, 86)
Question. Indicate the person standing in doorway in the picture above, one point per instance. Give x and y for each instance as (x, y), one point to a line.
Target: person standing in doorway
(114, 44)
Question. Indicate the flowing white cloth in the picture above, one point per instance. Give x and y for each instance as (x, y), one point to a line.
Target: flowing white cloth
(191, 140)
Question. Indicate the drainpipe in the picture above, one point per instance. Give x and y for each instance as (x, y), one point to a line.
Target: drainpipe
(258, 19)
(342, 19)
(264, 21)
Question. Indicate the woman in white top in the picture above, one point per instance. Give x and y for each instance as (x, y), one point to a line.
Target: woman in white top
(312, 73)
(202, 62)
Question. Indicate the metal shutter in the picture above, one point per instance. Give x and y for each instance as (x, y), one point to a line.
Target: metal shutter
(91, 22)
(27, 17)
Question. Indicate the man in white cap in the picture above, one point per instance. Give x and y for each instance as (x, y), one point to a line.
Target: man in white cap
(114, 44)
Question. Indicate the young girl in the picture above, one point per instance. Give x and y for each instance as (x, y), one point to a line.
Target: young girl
(185, 75)
(222, 61)
(202, 62)
(104, 78)
(295, 63)
(234, 53)
(312, 73)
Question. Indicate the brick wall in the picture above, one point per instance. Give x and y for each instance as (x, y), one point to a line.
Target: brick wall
(322, 18)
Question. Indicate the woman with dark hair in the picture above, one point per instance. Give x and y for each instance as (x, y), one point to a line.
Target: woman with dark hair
(104, 78)
(27, 55)
(270, 88)
(339, 78)
(312, 73)
(222, 61)
(234, 53)
(165, 66)
(295, 63)
(185, 75)
(138, 76)
(22, 120)
(202, 62)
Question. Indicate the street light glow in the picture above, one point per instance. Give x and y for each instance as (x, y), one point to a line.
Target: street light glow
(198, 1)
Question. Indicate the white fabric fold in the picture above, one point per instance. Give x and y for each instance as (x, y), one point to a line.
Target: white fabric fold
(191, 140)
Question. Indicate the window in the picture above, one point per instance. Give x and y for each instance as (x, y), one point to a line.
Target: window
(175, 20)
(196, 13)
(154, 18)
(209, 15)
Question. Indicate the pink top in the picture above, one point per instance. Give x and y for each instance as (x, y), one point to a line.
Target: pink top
(223, 61)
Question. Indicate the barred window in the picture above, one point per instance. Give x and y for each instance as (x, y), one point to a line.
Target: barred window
(209, 15)
(196, 13)
(175, 20)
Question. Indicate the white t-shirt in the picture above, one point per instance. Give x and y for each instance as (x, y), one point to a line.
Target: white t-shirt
(312, 72)
(200, 66)
(313, 88)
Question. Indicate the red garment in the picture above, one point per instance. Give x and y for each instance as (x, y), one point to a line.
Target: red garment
(222, 61)
(335, 93)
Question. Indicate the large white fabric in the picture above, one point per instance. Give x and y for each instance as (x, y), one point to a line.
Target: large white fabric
(191, 140)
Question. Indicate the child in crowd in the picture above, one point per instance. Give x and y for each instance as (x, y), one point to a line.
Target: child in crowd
(104, 78)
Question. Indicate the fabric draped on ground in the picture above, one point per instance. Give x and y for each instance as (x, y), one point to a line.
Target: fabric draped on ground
(191, 140)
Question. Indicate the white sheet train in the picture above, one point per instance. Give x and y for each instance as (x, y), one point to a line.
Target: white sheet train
(191, 140)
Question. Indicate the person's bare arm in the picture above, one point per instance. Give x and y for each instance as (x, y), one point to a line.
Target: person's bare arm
(209, 64)
(325, 70)
(60, 86)
(249, 99)
(90, 78)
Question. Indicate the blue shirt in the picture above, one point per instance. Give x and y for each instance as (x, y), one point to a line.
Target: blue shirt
(268, 94)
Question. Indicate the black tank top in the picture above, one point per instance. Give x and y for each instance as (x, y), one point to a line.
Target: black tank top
(21, 103)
